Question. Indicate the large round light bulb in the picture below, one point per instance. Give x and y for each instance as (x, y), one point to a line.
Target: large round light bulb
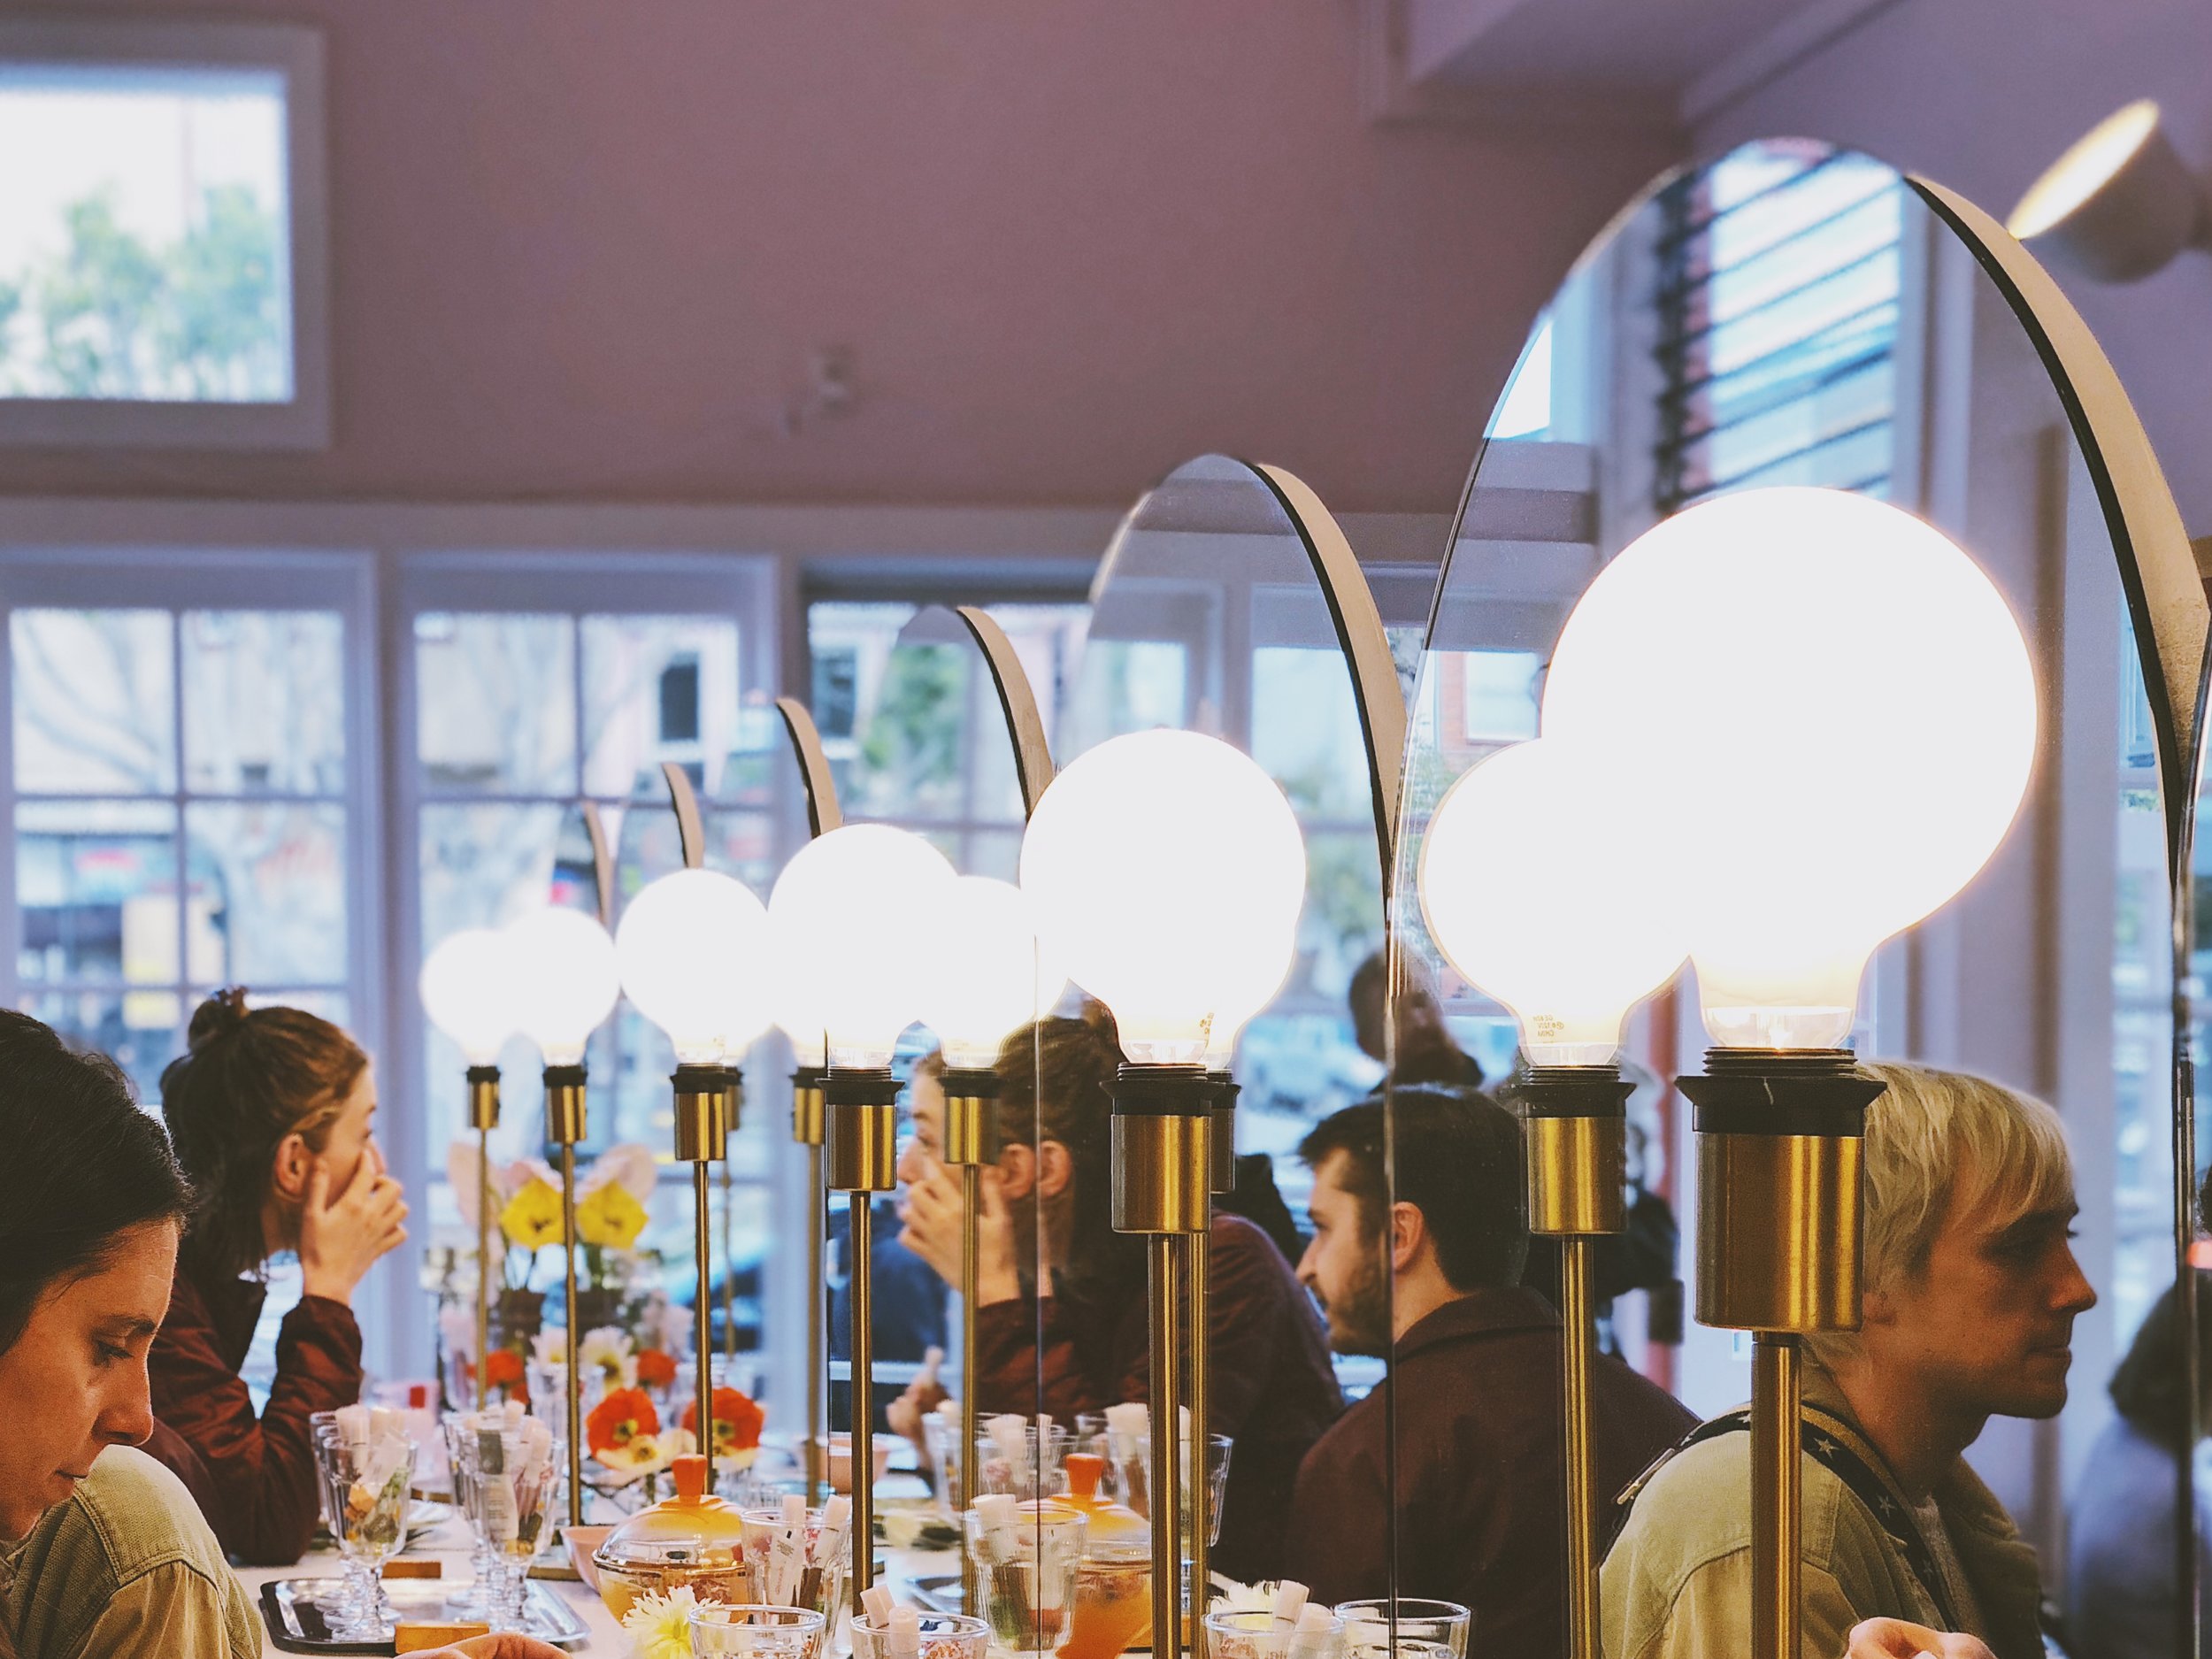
(566, 982)
(1159, 865)
(797, 1015)
(468, 991)
(989, 978)
(838, 932)
(1830, 709)
(693, 949)
(1540, 889)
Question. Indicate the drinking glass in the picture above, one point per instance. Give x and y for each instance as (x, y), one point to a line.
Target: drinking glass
(1034, 1469)
(941, 1440)
(365, 1496)
(510, 1477)
(472, 1596)
(944, 1636)
(763, 1632)
(1127, 1479)
(821, 1582)
(1027, 1567)
(1257, 1636)
(1441, 1624)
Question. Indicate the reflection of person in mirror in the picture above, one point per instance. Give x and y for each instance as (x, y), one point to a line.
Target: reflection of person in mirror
(1083, 1284)
(1971, 1291)
(1475, 1363)
(271, 1110)
(2121, 1591)
(1426, 1051)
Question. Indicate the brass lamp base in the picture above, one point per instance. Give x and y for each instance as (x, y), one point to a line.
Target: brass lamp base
(703, 1117)
(567, 1124)
(1224, 1142)
(809, 1113)
(1780, 1138)
(483, 1089)
(970, 1142)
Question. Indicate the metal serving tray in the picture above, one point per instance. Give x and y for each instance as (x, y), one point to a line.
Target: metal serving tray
(293, 1609)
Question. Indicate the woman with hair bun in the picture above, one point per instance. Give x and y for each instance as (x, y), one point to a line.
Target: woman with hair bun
(271, 1110)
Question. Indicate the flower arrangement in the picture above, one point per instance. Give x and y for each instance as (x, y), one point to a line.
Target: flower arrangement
(658, 1624)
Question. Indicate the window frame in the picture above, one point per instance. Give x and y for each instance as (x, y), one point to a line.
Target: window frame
(295, 51)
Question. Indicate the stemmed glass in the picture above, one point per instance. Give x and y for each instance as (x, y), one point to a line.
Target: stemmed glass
(509, 1472)
(456, 1426)
(364, 1491)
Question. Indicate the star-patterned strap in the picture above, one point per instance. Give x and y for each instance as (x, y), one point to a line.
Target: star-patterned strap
(1826, 1445)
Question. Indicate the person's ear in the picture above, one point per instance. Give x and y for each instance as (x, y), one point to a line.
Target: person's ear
(290, 1165)
(1056, 1170)
(1876, 1307)
(1017, 1170)
(1408, 1236)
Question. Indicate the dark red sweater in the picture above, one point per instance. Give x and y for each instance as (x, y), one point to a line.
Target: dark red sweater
(1272, 1389)
(256, 1476)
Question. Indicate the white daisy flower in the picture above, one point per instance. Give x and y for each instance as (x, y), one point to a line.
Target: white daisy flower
(658, 1624)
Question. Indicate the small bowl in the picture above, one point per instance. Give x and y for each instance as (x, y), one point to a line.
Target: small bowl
(840, 1460)
(581, 1542)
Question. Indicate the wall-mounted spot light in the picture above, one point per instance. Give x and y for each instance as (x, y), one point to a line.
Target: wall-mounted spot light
(2119, 205)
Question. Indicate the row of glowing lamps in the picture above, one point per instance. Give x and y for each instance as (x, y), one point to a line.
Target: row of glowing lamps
(1776, 729)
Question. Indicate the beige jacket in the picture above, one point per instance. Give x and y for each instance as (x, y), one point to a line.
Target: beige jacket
(1677, 1583)
(125, 1569)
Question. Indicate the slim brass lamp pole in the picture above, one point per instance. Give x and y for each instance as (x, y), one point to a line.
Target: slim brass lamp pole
(1221, 1161)
(483, 1117)
(1162, 1181)
(863, 1162)
(1780, 1139)
(564, 1126)
(1576, 1149)
(733, 1103)
(808, 1112)
(702, 1138)
(971, 1146)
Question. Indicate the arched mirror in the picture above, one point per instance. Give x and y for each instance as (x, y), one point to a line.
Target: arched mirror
(1789, 314)
(1228, 606)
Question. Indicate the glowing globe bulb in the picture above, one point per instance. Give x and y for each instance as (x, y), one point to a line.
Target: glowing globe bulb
(1158, 866)
(800, 1019)
(1269, 970)
(1829, 707)
(989, 977)
(566, 980)
(693, 949)
(1541, 889)
(468, 991)
(837, 926)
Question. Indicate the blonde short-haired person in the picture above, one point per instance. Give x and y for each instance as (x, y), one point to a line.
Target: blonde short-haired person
(1971, 1295)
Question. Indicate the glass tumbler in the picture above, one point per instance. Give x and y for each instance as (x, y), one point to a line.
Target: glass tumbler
(511, 1474)
(944, 1636)
(1367, 1625)
(1034, 1469)
(1127, 1480)
(365, 1493)
(1027, 1567)
(764, 1632)
(1257, 1636)
(817, 1580)
(941, 1440)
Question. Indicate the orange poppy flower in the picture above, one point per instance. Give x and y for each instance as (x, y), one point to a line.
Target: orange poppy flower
(619, 1418)
(737, 1421)
(654, 1369)
(503, 1368)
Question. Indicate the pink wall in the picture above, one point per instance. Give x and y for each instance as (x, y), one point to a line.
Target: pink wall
(1982, 94)
(584, 250)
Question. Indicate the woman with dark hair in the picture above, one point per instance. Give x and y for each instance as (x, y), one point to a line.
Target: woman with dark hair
(1273, 1390)
(272, 1112)
(2121, 1582)
(103, 1553)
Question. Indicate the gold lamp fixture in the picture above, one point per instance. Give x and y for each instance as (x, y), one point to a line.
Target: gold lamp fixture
(1159, 865)
(1713, 667)
(567, 984)
(1533, 894)
(824, 918)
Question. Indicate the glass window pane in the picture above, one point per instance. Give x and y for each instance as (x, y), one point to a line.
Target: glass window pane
(484, 865)
(265, 705)
(497, 703)
(95, 701)
(272, 879)
(1305, 730)
(120, 1024)
(655, 689)
(144, 234)
(96, 885)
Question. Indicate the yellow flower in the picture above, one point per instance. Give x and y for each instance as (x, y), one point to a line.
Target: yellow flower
(533, 1216)
(611, 1217)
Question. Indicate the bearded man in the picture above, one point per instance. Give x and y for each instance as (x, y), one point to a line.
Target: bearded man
(1481, 1472)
